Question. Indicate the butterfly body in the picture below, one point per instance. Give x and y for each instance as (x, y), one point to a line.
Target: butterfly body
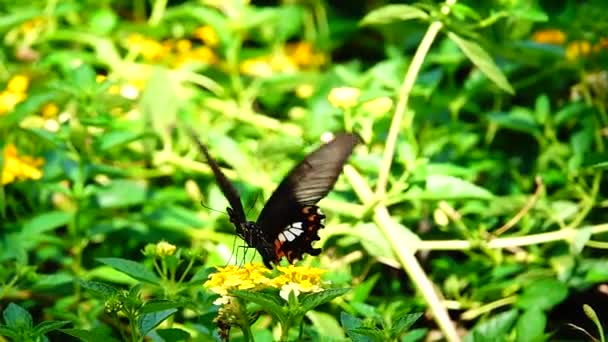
(290, 220)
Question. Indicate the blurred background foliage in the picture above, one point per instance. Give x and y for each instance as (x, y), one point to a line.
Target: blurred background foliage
(496, 182)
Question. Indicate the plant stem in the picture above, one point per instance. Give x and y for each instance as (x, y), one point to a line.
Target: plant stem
(400, 109)
(406, 257)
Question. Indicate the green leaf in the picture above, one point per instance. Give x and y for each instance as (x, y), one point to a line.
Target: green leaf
(542, 294)
(362, 291)
(270, 303)
(122, 193)
(104, 290)
(17, 317)
(159, 305)
(326, 324)
(132, 268)
(415, 335)
(45, 222)
(149, 321)
(391, 13)
(116, 138)
(89, 335)
(483, 61)
(531, 325)
(495, 329)
(8, 332)
(581, 238)
(310, 301)
(519, 119)
(350, 322)
(174, 334)
(373, 333)
(45, 327)
(405, 322)
(159, 101)
(448, 187)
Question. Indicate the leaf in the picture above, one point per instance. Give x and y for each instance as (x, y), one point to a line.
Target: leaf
(350, 322)
(448, 187)
(17, 317)
(269, 303)
(202, 274)
(159, 305)
(373, 333)
(132, 268)
(531, 325)
(415, 335)
(116, 138)
(326, 324)
(392, 13)
(581, 238)
(519, 119)
(312, 300)
(121, 193)
(174, 334)
(405, 322)
(45, 222)
(47, 326)
(362, 291)
(483, 61)
(149, 321)
(542, 294)
(89, 335)
(104, 290)
(494, 329)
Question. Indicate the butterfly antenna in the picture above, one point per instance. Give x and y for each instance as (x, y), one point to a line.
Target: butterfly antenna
(217, 211)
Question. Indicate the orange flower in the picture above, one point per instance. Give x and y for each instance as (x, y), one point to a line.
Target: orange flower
(549, 36)
(17, 167)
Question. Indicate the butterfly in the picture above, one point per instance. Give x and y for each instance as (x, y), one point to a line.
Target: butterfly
(289, 222)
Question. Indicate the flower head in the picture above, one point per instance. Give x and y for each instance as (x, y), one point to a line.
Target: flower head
(248, 277)
(298, 279)
(343, 97)
(17, 167)
(164, 248)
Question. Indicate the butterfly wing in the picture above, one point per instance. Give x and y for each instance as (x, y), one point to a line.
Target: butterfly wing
(290, 219)
(235, 211)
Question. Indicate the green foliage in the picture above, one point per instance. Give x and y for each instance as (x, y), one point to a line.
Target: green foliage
(478, 197)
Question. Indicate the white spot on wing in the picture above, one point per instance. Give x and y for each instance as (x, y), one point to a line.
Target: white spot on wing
(296, 231)
(296, 225)
(289, 235)
(282, 237)
(320, 212)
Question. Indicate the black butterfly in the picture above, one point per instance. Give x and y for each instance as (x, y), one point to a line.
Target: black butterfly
(290, 220)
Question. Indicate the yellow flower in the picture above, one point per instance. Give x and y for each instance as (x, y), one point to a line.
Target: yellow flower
(256, 67)
(164, 248)
(298, 279)
(577, 48)
(305, 91)
(378, 105)
(183, 46)
(549, 36)
(303, 55)
(8, 100)
(250, 276)
(19, 167)
(343, 97)
(18, 84)
(207, 35)
(49, 110)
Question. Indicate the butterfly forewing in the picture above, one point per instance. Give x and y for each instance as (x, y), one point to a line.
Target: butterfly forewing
(236, 212)
(303, 187)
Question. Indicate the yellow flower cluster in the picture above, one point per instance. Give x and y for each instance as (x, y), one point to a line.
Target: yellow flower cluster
(17, 167)
(574, 49)
(15, 92)
(180, 51)
(163, 248)
(293, 57)
(256, 277)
